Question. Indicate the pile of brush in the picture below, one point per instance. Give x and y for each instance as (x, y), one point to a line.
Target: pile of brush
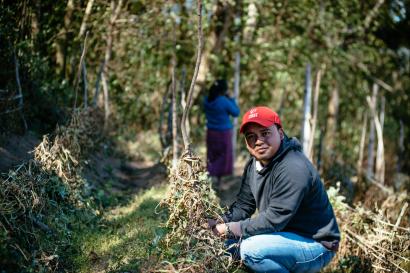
(190, 245)
(38, 198)
(373, 240)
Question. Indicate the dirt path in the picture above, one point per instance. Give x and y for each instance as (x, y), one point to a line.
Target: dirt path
(103, 168)
(123, 174)
(136, 176)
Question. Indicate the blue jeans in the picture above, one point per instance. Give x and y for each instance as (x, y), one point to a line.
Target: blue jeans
(283, 252)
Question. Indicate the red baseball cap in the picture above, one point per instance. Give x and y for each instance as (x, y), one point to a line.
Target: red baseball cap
(261, 115)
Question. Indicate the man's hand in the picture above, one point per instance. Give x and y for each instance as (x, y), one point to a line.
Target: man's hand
(220, 230)
(231, 229)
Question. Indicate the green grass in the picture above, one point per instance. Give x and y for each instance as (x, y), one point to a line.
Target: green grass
(125, 239)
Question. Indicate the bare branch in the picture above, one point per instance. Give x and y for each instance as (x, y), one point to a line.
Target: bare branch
(85, 84)
(21, 103)
(191, 88)
(80, 67)
(87, 13)
(11, 111)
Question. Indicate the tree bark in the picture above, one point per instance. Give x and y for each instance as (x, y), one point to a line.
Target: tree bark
(162, 137)
(236, 97)
(80, 69)
(370, 153)
(361, 148)
(331, 123)
(85, 84)
(107, 56)
(87, 13)
(251, 22)
(174, 117)
(305, 134)
(380, 164)
(214, 43)
(379, 168)
(315, 109)
(401, 148)
(20, 91)
(185, 136)
(106, 100)
(183, 98)
(62, 39)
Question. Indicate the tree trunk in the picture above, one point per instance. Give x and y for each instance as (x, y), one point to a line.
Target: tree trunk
(35, 25)
(320, 150)
(251, 22)
(401, 148)
(174, 117)
(214, 43)
(106, 100)
(370, 153)
(331, 123)
(184, 99)
(361, 148)
(185, 136)
(380, 166)
(107, 56)
(87, 13)
(62, 39)
(380, 147)
(315, 109)
(80, 69)
(305, 134)
(161, 134)
(85, 84)
(236, 97)
(20, 91)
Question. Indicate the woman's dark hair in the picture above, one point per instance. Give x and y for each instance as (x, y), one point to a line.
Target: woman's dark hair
(218, 88)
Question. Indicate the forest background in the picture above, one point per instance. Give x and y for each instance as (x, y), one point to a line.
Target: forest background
(125, 56)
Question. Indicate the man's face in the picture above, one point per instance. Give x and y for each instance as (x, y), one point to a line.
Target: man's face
(263, 142)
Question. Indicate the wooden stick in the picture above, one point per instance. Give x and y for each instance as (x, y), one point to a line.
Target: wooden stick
(161, 116)
(370, 156)
(85, 84)
(403, 210)
(380, 147)
(174, 101)
(236, 90)
(80, 65)
(21, 103)
(12, 98)
(11, 111)
(87, 13)
(174, 116)
(185, 136)
(361, 147)
(305, 133)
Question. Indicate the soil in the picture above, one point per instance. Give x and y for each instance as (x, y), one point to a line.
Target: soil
(136, 175)
(123, 174)
(15, 149)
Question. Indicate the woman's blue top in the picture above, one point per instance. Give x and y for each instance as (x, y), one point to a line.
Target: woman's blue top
(218, 113)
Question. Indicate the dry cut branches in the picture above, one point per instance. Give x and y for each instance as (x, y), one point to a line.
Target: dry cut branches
(36, 196)
(372, 236)
(190, 202)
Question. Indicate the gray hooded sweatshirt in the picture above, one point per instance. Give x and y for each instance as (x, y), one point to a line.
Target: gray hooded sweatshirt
(289, 196)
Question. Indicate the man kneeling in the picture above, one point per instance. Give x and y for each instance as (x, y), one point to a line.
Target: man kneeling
(295, 229)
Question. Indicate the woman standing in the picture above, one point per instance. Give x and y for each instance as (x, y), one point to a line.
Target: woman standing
(218, 109)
